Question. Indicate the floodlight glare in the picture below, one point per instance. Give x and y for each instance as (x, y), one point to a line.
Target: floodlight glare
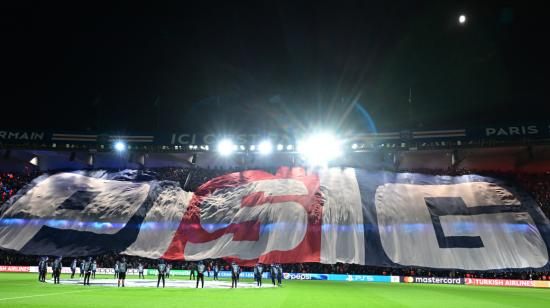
(462, 19)
(226, 147)
(34, 160)
(120, 146)
(354, 146)
(252, 148)
(265, 147)
(280, 147)
(289, 147)
(319, 149)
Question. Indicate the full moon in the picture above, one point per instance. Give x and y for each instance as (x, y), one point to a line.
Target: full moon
(462, 19)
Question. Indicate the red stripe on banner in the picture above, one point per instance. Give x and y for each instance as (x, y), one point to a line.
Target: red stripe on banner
(245, 231)
(309, 250)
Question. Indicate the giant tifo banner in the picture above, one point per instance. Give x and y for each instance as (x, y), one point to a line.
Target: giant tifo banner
(296, 215)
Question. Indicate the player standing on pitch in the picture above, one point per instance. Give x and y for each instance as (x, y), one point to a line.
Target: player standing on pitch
(140, 271)
(56, 268)
(116, 269)
(168, 267)
(162, 271)
(94, 268)
(235, 271)
(73, 268)
(273, 272)
(122, 267)
(81, 268)
(279, 274)
(42, 269)
(258, 271)
(216, 269)
(87, 270)
(200, 274)
(191, 271)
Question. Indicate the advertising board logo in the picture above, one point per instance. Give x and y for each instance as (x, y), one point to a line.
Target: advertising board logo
(297, 276)
(14, 268)
(500, 282)
(431, 280)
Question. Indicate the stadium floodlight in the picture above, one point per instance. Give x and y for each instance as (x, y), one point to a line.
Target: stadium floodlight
(34, 160)
(320, 148)
(354, 146)
(289, 147)
(226, 147)
(252, 148)
(462, 19)
(265, 147)
(280, 147)
(120, 146)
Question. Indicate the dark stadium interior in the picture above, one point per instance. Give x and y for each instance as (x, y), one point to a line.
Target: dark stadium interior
(124, 68)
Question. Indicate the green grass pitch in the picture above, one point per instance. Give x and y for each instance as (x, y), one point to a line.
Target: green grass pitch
(23, 290)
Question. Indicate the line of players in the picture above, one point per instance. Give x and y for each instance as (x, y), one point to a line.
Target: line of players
(197, 272)
(88, 269)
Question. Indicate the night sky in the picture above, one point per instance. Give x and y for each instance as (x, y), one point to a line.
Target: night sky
(233, 66)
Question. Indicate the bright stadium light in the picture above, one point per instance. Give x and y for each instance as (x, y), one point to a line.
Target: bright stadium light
(34, 160)
(226, 147)
(289, 147)
(252, 148)
(354, 146)
(265, 147)
(280, 147)
(462, 19)
(120, 146)
(320, 148)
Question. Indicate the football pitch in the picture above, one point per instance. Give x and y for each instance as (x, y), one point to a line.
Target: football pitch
(23, 290)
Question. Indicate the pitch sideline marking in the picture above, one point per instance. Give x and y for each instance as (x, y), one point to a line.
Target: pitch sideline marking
(38, 295)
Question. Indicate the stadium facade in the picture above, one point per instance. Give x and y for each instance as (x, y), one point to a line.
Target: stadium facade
(523, 147)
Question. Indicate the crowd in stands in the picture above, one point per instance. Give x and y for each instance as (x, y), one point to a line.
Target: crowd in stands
(11, 182)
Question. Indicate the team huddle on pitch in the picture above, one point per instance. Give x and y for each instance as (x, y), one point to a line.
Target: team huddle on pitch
(88, 268)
